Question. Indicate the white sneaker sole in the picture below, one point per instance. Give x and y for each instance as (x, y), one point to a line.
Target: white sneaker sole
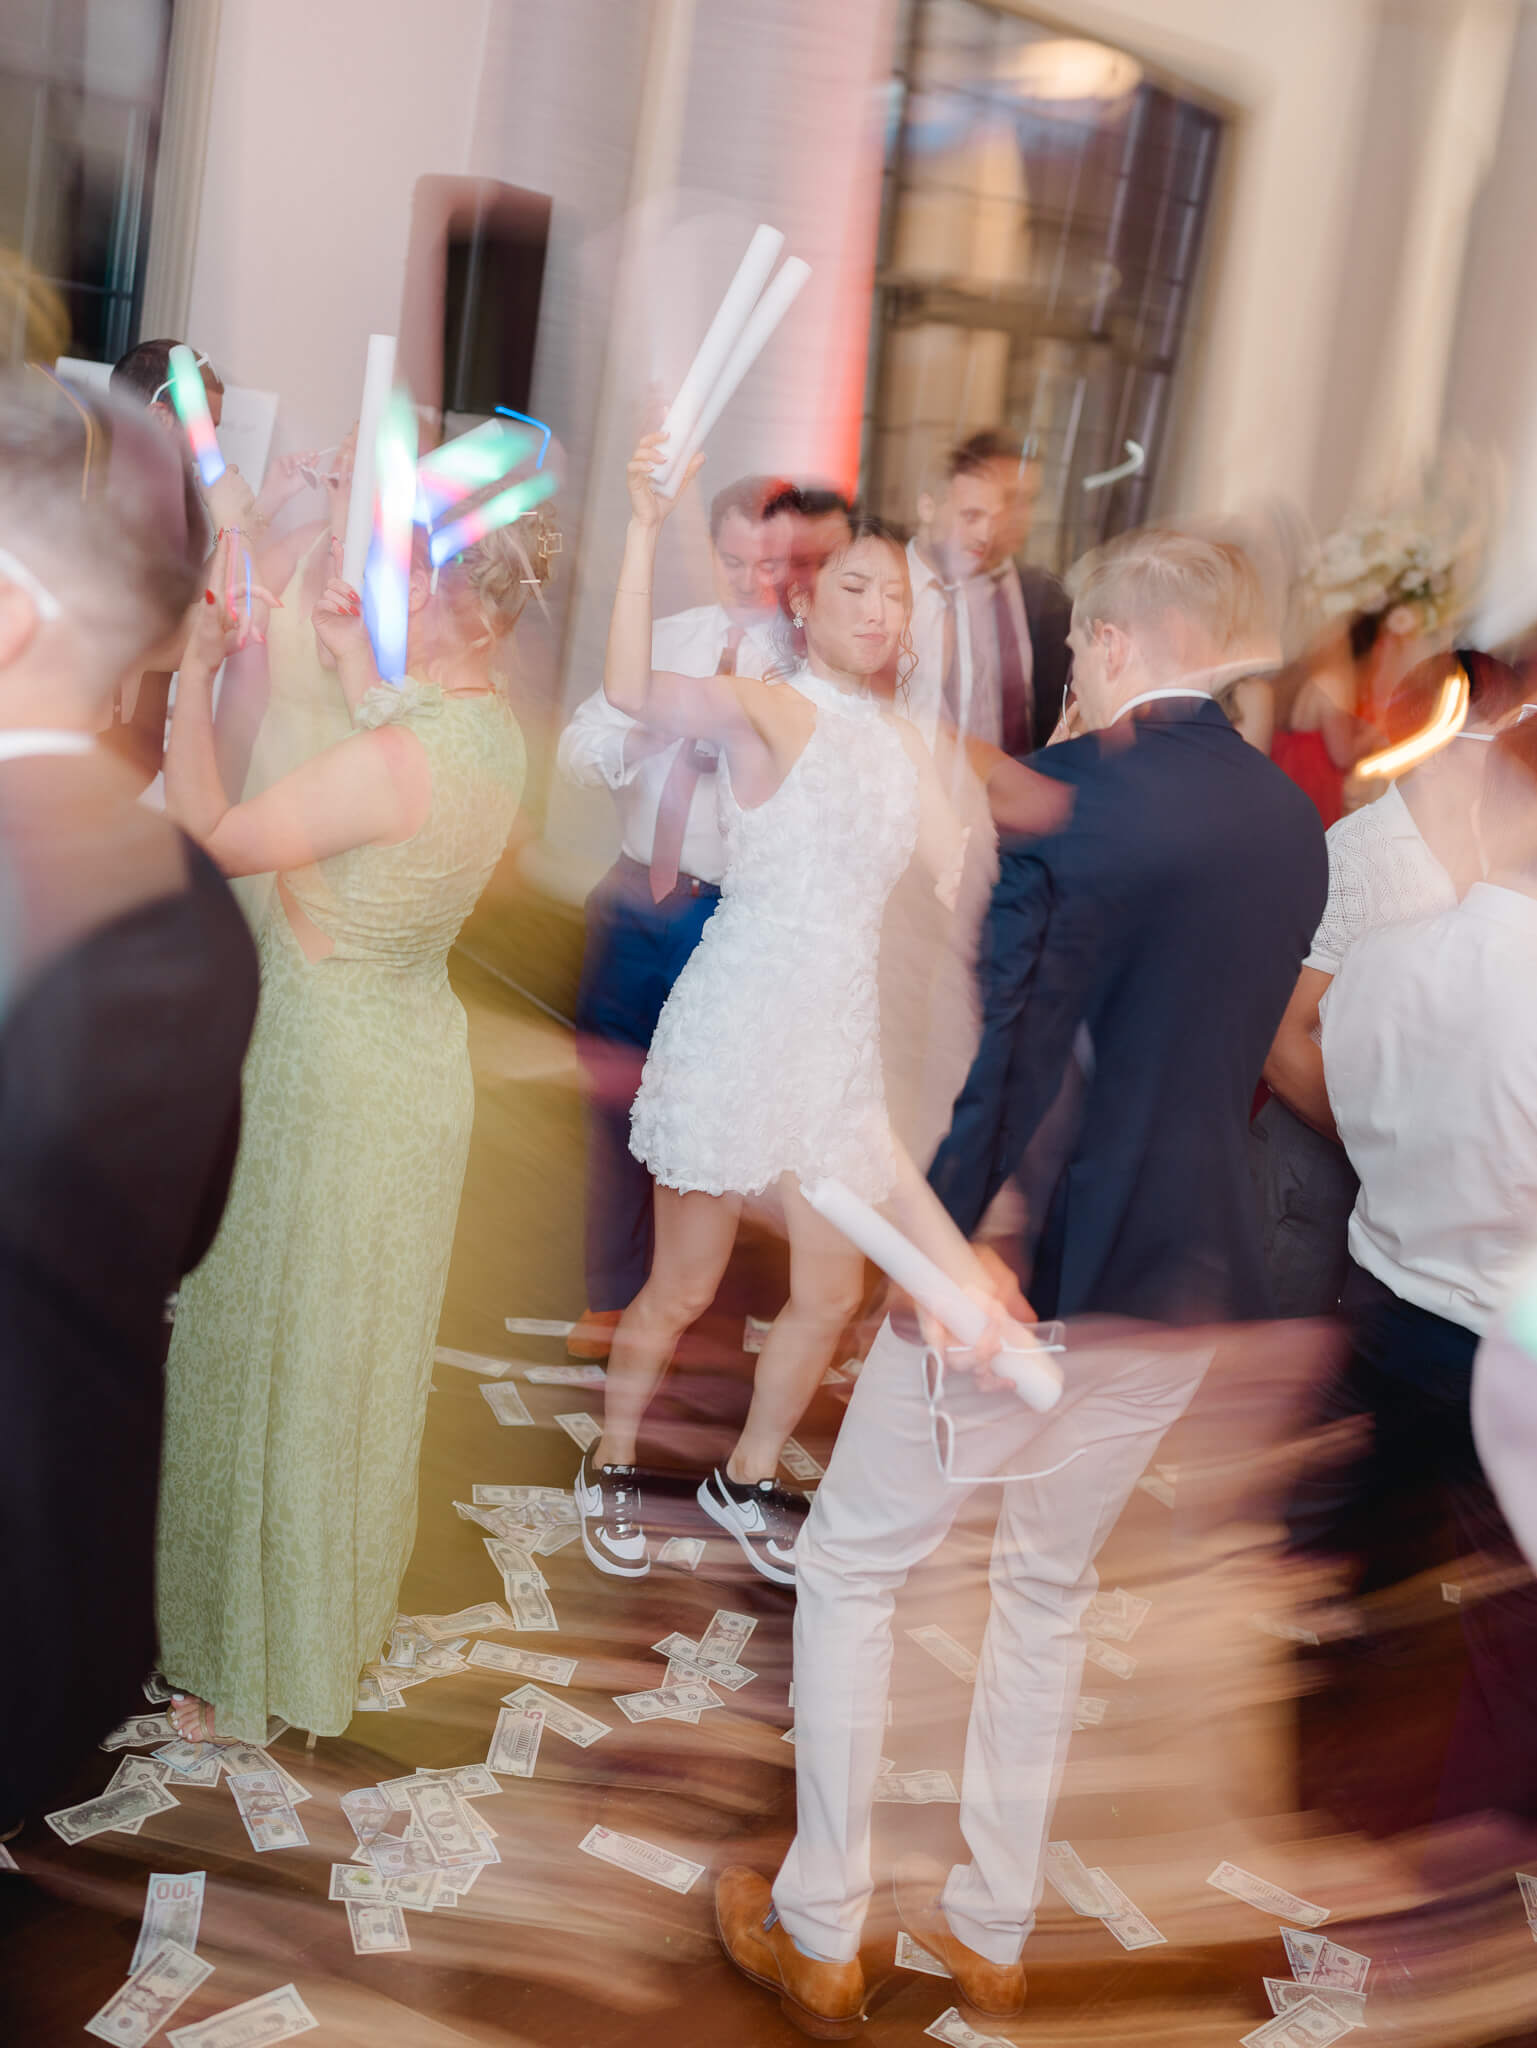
(724, 1519)
(613, 1567)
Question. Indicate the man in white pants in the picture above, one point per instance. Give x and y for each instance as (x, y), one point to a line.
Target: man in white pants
(1167, 919)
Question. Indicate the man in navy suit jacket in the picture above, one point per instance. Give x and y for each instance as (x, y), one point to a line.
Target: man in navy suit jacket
(1161, 929)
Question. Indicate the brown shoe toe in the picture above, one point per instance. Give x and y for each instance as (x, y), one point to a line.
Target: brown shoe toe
(824, 2000)
(994, 1990)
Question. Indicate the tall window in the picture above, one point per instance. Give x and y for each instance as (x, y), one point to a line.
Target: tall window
(1044, 211)
(81, 83)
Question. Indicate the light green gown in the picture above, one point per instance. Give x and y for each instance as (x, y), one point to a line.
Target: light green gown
(296, 1388)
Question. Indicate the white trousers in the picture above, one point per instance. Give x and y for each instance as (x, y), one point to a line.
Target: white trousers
(883, 1508)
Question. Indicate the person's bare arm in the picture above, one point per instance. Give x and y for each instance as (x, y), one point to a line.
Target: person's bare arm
(1022, 801)
(1294, 1070)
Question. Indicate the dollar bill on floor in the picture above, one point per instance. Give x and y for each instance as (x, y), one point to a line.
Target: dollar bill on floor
(468, 1781)
(469, 1621)
(368, 1811)
(1116, 1616)
(1089, 1710)
(516, 1496)
(799, 1463)
(444, 1820)
(1126, 1921)
(136, 1770)
(415, 1891)
(551, 1540)
(173, 1912)
(1269, 1898)
(523, 1663)
(473, 1361)
(683, 1551)
(916, 1788)
(1302, 1951)
(109, 1811)
(376, 1929)
(1340, 1969)
(683, 1651)
(564, 1375)
(537, 1326)
(192, 1763)
(269, 1819)
(274, 2016)
(1110, 1659)
(154, 1993)
(911, 1957)
(666, 1702)
(1309, 2025)
(945, 1650)
(956, 2033)
(141, 1731)
(1070, 1877)
(514, 1751)
(1528, 1888)
(641, 1859)
(560, 1716)
(1286, 1996)
(155, 1689)
(248, 1756)
(726, 1637)
(582, 1428)
(506, 1404)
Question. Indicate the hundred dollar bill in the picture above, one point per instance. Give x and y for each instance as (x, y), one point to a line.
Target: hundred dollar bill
(1127, 1922)
(583, 1429)
(368, 1809)
(1309, 2025)
(142, 1731)
(525, 1663)
(1089, 1710)
(108, 1811)
(469, 1621)
(538, 1326)
(269, 1820)
(1116, 1616)
(1070, 1876)
(953, 2030)
(153, 1994)
(192, 1763)
(416, 1890)
(666, 1702)
(641, 1859)
(1340, 1969)
(506, 1404)
(245, 1757)
(393, 1856)
(911, 1957)
(564, 1375)
(561, 1716)
(1285, 1996)
(514, 1750)
(259, 2023)
(173, 1912)
(798, 1461)
(1302, 1951)
(556, 1538)
(944, 1649)
(916, 1788)
(444, 1819)
(1269, 1898)
(725, 1639)
(136, 1770)
(472, 1361)
(376, 1929)
(683, 1551)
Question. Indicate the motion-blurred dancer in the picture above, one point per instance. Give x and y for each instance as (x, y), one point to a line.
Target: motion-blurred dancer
(127, 991)
(645, 917)
(1167, 920)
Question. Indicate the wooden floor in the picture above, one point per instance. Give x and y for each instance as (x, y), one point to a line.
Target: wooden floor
(1195, 1762)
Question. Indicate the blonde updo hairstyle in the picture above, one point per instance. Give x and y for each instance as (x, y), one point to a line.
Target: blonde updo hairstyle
(487, 586)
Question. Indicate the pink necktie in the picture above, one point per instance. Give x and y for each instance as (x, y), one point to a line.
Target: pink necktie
(678, 793)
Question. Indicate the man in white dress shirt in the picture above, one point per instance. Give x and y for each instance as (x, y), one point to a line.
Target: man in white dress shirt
(1430, 1059)
(646, 915)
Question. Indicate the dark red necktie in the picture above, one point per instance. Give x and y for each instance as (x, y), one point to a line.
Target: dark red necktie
(683, 776)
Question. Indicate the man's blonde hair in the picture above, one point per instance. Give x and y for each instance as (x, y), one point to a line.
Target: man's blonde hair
(1140, 578)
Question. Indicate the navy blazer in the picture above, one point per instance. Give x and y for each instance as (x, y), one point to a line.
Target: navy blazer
(1169, 917)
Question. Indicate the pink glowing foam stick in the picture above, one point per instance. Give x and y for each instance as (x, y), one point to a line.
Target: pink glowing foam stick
(474, 525)
(468, 464)
(189, 396)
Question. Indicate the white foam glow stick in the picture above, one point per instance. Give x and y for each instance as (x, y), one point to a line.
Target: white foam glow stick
(732, 315)
(378, 381)
(765, 317)
(1032, 1374)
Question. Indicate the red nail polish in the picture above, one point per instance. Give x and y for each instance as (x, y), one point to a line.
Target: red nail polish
(208, 597)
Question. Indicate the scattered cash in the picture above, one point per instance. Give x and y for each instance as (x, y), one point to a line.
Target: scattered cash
(532, 1613)
(1089, 1710)
(516, 1496)
(141, 1732)
(1110, 1659)
(537, 1326)
(259, 2023)
(642, 1859)
(1451, 1594)
(372, 1697)
(1287, 1631)
(443, 1819)
(192, 1763)
(270, 1820)
(911, 1957)
(152, 1995)
(469, 1621)
(173, 1912)
(944, 1649)
(551, 1540)
(506, 1404)
(467, 1781)
(684, 1652)
(582, 1428)
(916, 1788)
(666, 1702)
(799, 1463)
(564, 1375)
(472, 1361)
(376, 1929)
(155, 1689)
(725, 1639)
(514, 1557)
(1269, 1898)
(561, 1716)
(683, 1551)
(514, 1750)
(1115, 1616)
(1302, 1951)
(368, 1809)
(952, 2029)
(109, 1810)
(1128, 1923)
(414, 1890)
(524, 1663)
(246, 1756)
(1350, 2006)
(1340, 1969)
(136, 1770)
(1309, 2025)
(1070, 1876)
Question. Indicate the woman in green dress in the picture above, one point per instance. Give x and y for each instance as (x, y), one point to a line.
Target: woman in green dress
(296, 1388)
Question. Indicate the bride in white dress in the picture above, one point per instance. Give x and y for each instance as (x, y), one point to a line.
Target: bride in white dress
(765, 1067)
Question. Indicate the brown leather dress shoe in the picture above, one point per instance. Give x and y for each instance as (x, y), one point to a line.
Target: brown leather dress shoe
(593, 1336)
(825, 2000)
(994, 1990)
